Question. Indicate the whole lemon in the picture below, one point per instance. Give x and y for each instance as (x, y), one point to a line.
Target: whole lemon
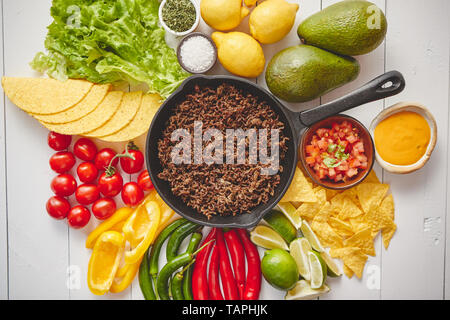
(272, 20)
(223, 14)
(239, 53)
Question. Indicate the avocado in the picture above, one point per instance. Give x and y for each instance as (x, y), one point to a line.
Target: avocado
(351, 27)
(303, 73)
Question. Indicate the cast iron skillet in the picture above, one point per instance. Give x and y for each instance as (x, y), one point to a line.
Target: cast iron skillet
(381, 87)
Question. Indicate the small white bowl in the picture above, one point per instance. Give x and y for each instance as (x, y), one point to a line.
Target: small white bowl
(180, 34)
(396, 108)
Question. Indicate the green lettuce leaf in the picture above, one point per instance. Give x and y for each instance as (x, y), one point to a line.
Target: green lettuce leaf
(110, 41)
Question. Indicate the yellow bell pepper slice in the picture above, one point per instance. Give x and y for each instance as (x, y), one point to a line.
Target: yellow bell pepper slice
(140, 230)
(127, 274)
(104, 262)
(120, 215)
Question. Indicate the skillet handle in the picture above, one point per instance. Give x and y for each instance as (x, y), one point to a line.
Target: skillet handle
(384, 86)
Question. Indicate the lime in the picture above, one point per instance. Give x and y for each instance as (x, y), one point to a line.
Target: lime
(303, 291)
(311, 236)
(289, 211)
(299, 249)
(267, 238)
(281, 224)
(318, 269)
(279, 269)
(332, 267)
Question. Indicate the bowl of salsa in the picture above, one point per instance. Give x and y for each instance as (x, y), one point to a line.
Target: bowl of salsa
(338, 152)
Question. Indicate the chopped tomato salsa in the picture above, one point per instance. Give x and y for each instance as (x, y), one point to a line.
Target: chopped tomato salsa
(336, 153)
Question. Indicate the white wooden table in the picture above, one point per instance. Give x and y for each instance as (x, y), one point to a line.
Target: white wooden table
(41, 258)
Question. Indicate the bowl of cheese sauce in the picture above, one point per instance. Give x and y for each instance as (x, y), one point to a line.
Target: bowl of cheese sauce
(405, 136)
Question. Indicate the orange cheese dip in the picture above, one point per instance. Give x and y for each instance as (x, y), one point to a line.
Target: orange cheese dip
(402, 138)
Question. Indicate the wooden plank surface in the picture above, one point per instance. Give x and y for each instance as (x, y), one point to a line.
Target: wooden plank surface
(46, 260)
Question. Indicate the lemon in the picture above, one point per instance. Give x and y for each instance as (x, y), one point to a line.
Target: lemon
(303, 291)
(239, 53)
(289, 211)
(223, 14)
(272, 20)
(318, 269)
(282, 225)
(311, 236)
(332, 268)
(299, 249)
(267, 238)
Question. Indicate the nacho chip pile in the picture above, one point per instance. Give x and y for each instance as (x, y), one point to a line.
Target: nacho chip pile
(347, 221)
(79, 107)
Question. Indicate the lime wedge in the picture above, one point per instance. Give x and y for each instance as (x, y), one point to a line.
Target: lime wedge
(299, 249)
(281, 224)
(289, 211)
(311, 236)
(318, 269)
(303, 291)
(332, 268)
(267, 238)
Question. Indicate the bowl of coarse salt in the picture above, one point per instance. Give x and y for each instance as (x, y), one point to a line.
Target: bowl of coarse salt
(197, 53)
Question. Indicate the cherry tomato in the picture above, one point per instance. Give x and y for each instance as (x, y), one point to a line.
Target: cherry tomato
(62, 161)
(87, 172)
(132, 166)
(104, 157)
(78, 217)
(85, 149)
(104, 208)
(110, 185)
(132, 194)
(58, 142)
(58, 207)
(144, 181)
(87, 194)
(64, 185)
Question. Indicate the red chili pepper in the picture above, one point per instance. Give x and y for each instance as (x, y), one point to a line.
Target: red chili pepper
(253, 283)
(229, 286)
(213, 276)
(237, 255)
(200, 274)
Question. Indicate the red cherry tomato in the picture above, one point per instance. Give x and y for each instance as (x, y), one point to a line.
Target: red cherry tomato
(104, 157)
(144, 181)
(104, 208)
(58, 207)
(64, 185)
(58, 141)
(87, 172)
(132, 166)
(85, 149)
(62, 161)
(87, 194)
(132, 194)
(78, 217)
(110, 185)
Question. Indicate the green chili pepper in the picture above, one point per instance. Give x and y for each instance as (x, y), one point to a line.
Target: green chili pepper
(145, 282)
(156, 247)
(166, 272)
(176, 286)
(177, 238)
(187, 277)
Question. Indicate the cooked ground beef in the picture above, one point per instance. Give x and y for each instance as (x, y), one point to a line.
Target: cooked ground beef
(224, 189)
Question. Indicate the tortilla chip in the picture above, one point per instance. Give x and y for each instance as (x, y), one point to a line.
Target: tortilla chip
(81, 109)
(45, 96)
(104, 111)
(354, 258)
(381, 217)
(141, 123)
(332, 193)
(358, 223)
(387, 234)
(344, 206)
(371, 194)
(342, 228)
(372, 178)
(387, 208)
(348, 272)
(125, 114)
(363, 240)
(300, 189)
(323, 230)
